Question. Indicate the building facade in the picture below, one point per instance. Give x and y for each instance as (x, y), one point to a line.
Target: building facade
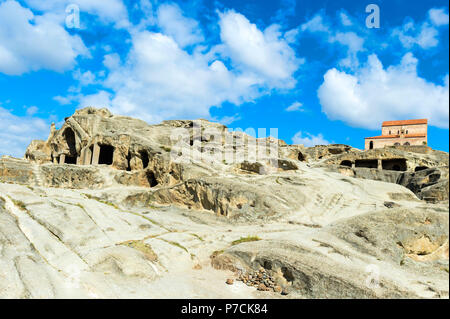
(408, 132)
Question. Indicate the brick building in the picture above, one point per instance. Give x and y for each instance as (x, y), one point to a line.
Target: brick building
(408, 132)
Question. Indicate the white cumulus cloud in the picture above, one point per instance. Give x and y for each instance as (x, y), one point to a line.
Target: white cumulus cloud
(438, 16)
(316, 24)
(266, 52)
(296, 106)
(159, 79)
(184, 31)
(425, 34)
(308, 139)
(107, 10)
(353, 43)
(345, 19)
(31, 42)
(17, 132)
(374, 94)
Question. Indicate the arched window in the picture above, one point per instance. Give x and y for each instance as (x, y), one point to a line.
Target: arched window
(406, 131)
(397, 144)
(371, 145)
(390, 132)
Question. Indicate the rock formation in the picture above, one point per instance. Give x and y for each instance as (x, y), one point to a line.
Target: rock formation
(109, 206)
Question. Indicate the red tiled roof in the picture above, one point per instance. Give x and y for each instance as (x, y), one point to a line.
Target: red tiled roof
(405, 122)
(397, 136)
(384, 136)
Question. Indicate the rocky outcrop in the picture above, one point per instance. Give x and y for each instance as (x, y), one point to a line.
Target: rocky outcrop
(367, 256)
(398, 158)
(111, 207)
(430, 184)
(174, 151)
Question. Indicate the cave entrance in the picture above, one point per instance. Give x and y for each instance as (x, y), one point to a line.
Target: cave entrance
(129, 161)
(397, 164)
(346, 163)
(70, 159)
(151, 179)
(301, 157)
(368, 163)
(144, 158)
(106, 154)
(420, 168)
(69, 136)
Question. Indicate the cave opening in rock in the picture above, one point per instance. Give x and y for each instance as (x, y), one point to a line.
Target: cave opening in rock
(335, 150)
(106, 154)
(287, 274)
(301, 157)
(144, 158)
(70, 159)
(396, 164)
(368, 163)
(69, 136)
(268, 265)
(151, 179)
(420, 168)
(346, 163)
(129, 161)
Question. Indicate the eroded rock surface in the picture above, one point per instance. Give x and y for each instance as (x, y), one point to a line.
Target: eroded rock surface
(111, 207)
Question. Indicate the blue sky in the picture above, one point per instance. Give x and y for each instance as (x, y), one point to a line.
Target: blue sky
(312, 69)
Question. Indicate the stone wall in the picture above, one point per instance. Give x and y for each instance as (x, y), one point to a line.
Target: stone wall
(397, 129)
(382, 142)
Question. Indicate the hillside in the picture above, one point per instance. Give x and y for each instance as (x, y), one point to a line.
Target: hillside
(111, 207)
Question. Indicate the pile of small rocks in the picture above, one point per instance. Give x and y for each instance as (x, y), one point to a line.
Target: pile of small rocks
(262, 280)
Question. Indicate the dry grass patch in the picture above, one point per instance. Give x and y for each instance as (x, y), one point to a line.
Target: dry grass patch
(144, 248)
(245, 239)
